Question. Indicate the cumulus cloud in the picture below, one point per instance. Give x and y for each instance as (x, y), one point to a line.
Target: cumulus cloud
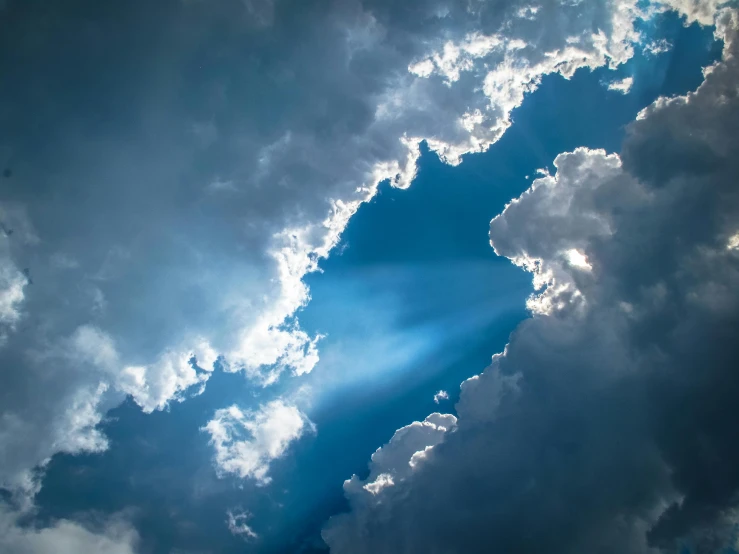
(623, 85)
(246, 442)
(607, 423)
(170, 206)
(390, 467)
(96, 380)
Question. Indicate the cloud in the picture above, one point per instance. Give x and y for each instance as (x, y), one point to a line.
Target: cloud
(120, 126)
(623, 86)
(93, 379)
(246, 442)
(656, 47)
(607, 423)
(12, 283)
(237, 524)
(151, 387)
(114, 536)
(14, 228)
(441, 395)
(695, 11)
(390, 467)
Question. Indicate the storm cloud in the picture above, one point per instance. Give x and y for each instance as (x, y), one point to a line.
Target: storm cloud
(176, 168)
(608, 423)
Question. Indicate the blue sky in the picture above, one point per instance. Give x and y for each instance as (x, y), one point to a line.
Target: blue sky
(407, 300)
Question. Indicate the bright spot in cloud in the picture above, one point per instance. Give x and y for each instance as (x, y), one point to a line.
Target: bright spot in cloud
(733, 243)
(578, 259)
(383, 480)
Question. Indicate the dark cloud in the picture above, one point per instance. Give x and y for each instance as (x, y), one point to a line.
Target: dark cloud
(608, 424)
(180, 166)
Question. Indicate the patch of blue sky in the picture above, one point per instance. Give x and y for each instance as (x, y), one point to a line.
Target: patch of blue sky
(411, 302)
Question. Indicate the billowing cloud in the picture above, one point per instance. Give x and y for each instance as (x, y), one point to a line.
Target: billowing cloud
(245, 442)
(178, 174)
(607, 425)
(96, 380)
(391, 466)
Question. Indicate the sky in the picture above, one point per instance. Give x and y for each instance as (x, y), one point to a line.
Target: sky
(366, 276)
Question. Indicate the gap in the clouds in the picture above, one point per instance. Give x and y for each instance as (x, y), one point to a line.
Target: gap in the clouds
(431, 242)
(412, 301)
(159, 464)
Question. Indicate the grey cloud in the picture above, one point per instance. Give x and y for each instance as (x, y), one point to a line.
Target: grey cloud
(700, 11)
(118, 118)
(608, 423)
(113, 536)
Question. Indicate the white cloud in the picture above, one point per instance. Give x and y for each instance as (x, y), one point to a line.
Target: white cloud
(511, 65)
(623, 85)
(441, 395)
(246, 442)
(152, 387)
(657, 47)
(528, 12)
(395, 461)
(424, 68)
(390, 466)
(163, 264)
(383, 480)
(91, 379)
